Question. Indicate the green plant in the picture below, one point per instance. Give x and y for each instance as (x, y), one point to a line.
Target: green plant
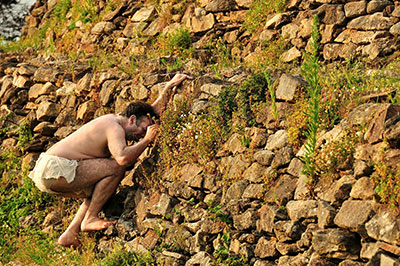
(224, 257)
(272, 95)
(311, 72)
(121, 257)
(176, 43)
(259, 11)
(217, 213)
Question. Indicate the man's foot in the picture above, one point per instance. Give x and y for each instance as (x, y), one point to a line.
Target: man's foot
(68, 239)
(95, 224)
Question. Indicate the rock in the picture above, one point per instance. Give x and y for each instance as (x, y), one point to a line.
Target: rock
(363, 189)
(282, 191)
(354, 214)
(359, 37)
(375, 21)
(287, 231)
(282, 157)
(376, 128)
(385, 227)
(39, 89)
(395, 29)
(377, 5)
(27, 221)
(235, 191)
(278, 140)
(126, 230)
(306, 237)
(336, 243)
(234, 166)
(369, 250)
(291, 55)
(287, 249)
(325, 213)
(302, 209)
(355, 9)
(46, 74)
(220, 5)
(302, 189)
(295, 167)
(267, 215)
(339, 190)
(255, 172)
(276, 21)
(265, 248)
(201, 258)
(22, 82)
(258, 137)
(107, 90)
(287, 88)
(331, 14)
(163, 206)
(202, 23)
(86, 111)
(263, 157)
(253, 191)
(244, 221)
(144, 14)
(150, 240)
(235, 144)
(45, 129)
(46, 111)
(154, 28)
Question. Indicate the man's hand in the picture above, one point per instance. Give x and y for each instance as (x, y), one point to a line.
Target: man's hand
(178, 79)
(151, 132)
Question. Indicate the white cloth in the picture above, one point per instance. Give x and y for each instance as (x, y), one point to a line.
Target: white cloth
(50, 168)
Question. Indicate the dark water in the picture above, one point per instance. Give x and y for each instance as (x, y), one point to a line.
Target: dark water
(12, 15)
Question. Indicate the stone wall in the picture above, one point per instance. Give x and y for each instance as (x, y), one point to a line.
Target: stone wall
(269, 223)
(348, 29)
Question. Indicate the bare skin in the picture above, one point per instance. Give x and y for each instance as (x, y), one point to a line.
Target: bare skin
(101, 149)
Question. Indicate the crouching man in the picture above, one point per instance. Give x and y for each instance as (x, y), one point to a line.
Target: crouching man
(91, 162)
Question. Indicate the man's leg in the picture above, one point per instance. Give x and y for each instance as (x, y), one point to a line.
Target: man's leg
(70, 236)
(102, 174)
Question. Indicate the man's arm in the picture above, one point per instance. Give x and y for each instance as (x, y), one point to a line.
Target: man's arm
(124, 154)
(162, 100)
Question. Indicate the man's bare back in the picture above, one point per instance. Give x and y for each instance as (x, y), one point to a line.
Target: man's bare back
(88, 142)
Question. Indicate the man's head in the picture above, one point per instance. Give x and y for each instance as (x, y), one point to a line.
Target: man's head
(140, 115)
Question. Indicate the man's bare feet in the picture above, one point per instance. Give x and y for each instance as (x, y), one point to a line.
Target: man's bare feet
(95, 224)
(69, 239)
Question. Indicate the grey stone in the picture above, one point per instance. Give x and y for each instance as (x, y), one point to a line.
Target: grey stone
(384, 226)
(163, 206)
(291, 55)
(302, 209)
(255, 172)
(107, 90)
(287, 248)
(306, 237)
(265, 248)
(245, 221)
(235, 191)
(144, 14)
(103, 27)
(46, 74)
(377, 5)
(277, 21)
(287, 231)
(302, 191)
(287, 88)
(339, 190)
(126, 230)
(220, 5)
(264, 157)
(395, 29)
(46, 111)
(202, 23)
(295, 167)
(375, 21)
(363, 189)
(282, 157)
(254, 191)
(282, 191)
(354, 214)
(336, 243)
(267, 215)
(326, 213)
(355, 9)
(201, 258)
(369, 250)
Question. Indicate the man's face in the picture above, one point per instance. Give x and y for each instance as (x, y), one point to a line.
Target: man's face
(139, 128)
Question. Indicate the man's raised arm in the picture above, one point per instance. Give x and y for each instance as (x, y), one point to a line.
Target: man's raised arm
(162, 100)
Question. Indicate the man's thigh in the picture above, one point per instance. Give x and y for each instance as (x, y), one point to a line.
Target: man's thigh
(88, 173)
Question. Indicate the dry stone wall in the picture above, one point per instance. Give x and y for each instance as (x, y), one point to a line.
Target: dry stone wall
(348, 29)
(277, 223)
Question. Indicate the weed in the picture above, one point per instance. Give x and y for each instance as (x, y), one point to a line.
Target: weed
(121, 257)
(311, 72)
(259, 11)
(216, 212)
(175, 43)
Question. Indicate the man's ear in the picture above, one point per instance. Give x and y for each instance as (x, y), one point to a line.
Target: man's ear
(132, 120)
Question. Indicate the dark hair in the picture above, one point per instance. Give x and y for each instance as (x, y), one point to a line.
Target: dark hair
(139, 109)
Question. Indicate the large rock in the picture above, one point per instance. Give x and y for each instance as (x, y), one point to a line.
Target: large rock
(355, 9)
(377, 5)
(265, 248)
(336, 243)
(202, 23)
(46, 111)
(282, 191)
(371, 22)
(384, 226)
(302, 209)
(354, 214)
(220, 5)
(144, 14)
(288, 86)
(278, 140)
(103, 27)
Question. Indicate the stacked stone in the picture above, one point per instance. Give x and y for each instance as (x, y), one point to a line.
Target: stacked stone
(358, 28)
